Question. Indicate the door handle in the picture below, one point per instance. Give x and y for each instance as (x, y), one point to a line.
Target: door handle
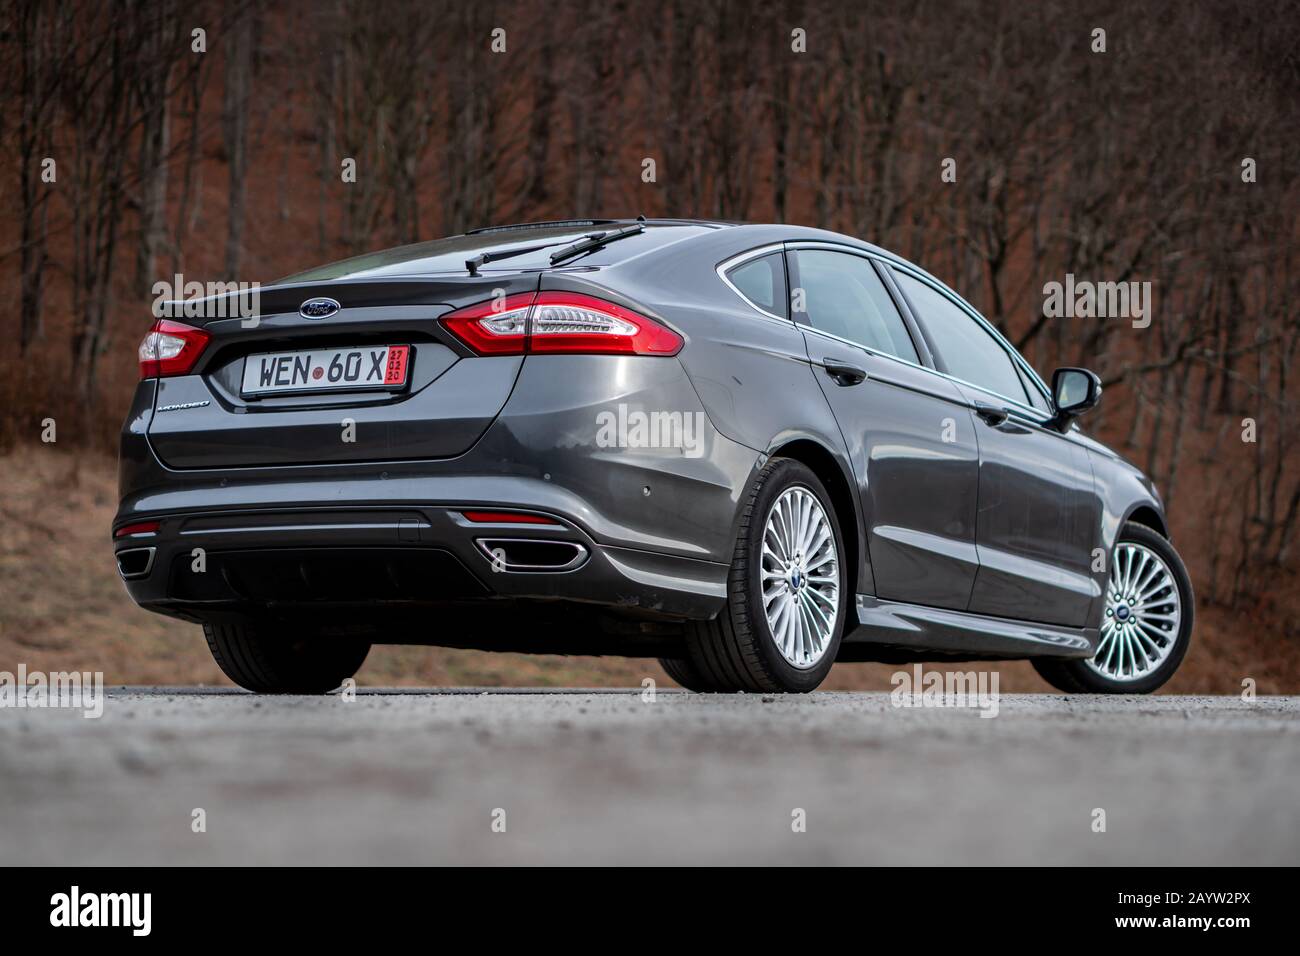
(842, 372)
(992, 414)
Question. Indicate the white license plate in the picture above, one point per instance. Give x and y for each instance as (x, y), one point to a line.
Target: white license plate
(324, 370)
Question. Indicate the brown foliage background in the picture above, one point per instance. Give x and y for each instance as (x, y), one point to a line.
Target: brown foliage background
(1125, 165)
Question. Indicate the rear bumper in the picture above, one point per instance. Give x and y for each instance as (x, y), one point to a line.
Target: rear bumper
(657, 524)
(373, 562)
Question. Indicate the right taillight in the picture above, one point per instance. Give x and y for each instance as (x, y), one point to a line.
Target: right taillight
(568, 323)
(574, 323)
(171, 348)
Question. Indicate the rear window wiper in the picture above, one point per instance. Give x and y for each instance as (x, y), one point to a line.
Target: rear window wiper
(474, 264)
(594, 241)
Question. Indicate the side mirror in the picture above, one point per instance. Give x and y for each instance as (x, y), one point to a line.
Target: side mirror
(1074, 391)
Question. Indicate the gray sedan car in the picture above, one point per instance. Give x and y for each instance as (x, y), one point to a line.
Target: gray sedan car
(747, 450)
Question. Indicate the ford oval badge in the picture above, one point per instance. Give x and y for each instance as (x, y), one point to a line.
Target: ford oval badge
(318, 308)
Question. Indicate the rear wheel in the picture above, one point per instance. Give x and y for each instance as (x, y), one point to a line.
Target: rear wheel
(272, 659)
(787, 594)
(686, 674)
(1145, 628)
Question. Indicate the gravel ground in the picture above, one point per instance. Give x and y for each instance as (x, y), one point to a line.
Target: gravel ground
(420, 776)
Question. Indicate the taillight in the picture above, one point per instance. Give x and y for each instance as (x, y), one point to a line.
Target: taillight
(495, 327)
(559, 323)
(171, 348)
(569, 322)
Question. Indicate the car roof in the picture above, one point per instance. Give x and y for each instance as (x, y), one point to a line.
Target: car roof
(448, 255)
(536, 240)
(544, 223)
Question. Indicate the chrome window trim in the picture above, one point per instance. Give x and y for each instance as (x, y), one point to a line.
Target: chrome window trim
(1033, 414)
(865, 348)
(958, 399)
(1027, 412)
(726, 265)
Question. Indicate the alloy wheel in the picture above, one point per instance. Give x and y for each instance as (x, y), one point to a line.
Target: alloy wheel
(800, 577)
(1143, 615)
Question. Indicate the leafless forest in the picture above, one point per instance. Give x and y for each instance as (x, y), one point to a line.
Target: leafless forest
(1170, 158)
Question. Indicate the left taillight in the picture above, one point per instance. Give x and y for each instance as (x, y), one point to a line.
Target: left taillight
(567, 323)
(171, 348)
(494, 327)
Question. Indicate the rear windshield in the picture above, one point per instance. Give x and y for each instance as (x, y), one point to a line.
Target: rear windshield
(449, 255)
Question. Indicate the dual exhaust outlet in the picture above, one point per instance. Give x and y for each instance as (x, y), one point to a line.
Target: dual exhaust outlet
(514, 555)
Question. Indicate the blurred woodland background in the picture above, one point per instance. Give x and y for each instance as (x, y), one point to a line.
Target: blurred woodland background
(131, 154)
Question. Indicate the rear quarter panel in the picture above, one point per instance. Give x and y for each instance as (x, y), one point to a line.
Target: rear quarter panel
(750, 372)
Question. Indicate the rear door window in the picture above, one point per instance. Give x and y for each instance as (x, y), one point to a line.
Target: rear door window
(843, 295)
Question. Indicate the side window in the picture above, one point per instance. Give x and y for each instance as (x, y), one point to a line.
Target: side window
(762, 282)
(843, 295)
(966, 347)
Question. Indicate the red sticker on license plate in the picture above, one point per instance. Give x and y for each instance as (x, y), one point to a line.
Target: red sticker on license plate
(395, 373)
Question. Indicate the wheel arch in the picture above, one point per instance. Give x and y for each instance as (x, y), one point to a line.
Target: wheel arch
(833, 474)
(1145, 514)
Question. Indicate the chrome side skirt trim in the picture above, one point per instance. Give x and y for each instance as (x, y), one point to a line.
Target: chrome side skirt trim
(959, 632)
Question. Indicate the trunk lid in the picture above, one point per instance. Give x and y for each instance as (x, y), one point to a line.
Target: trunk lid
(206, 420)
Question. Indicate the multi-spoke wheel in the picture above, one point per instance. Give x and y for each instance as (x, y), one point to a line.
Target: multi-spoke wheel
(801, 577)
(1145, 627)
(1143, 614)
(787, 591)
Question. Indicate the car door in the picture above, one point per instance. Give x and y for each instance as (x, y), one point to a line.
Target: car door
(1039, 514)
(909, 433)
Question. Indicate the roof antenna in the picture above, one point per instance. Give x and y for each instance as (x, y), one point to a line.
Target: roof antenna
(640, 218)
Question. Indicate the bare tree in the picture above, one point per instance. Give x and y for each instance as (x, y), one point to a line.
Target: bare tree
(37, 30)
(239, 46)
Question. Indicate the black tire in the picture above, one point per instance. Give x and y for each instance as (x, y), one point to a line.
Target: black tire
(1076, 677)
(686, 674)
(736, 651)
(270, 659)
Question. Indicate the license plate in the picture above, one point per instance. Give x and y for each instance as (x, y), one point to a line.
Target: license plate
(325, 370)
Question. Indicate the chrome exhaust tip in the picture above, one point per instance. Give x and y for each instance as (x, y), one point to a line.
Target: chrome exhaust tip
(531, 555)
(135, 562)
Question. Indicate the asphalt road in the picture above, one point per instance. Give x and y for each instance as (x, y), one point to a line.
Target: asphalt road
(419, 777)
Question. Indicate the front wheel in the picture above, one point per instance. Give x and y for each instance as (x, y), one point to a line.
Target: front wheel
(1145, 628)
(787, 593)
(271, 659)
